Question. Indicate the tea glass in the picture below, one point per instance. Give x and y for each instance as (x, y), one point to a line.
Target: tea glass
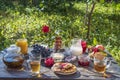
(101, 65)
(22, 43)
(34, 64)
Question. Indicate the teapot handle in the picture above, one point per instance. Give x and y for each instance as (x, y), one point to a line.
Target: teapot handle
(18, 49)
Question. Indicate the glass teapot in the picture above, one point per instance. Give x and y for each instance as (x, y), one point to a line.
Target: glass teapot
(13, 58)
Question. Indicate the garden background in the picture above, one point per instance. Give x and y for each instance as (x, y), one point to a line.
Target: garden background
(66, 18)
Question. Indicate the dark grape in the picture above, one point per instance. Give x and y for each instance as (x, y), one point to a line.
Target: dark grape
(40, 50)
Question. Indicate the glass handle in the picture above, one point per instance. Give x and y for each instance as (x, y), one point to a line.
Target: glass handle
(108, 64)
(28, 65)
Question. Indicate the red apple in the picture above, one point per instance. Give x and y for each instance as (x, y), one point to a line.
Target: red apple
(49, 62)
(84, 45)
(94, 49)
(100, 47)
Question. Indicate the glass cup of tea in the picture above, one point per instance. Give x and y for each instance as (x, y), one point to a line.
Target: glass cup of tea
(101, 65)
(22, 43)
(34, 64)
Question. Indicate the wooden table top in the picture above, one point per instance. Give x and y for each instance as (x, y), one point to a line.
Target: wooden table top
(81, 74)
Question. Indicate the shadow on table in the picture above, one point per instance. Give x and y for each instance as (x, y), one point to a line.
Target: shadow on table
(72, 76)
(24, 74)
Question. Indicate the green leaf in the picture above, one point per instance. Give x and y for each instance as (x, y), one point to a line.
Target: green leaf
(95, 41)
(102, 1)
(23, 35)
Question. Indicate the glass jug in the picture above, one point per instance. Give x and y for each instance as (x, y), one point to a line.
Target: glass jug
(76, 47)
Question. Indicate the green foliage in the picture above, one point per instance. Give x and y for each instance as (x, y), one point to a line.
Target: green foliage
(102, 1)
(95, 41)
(20, 21)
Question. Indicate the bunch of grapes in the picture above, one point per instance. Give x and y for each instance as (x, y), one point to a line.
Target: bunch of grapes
(40, 50)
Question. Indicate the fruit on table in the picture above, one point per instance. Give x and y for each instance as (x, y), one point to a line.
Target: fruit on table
(98, 48)
(49, 62)
(90, 48)
(98, 51)
(100, 55)
(40, 50)
(94, 49)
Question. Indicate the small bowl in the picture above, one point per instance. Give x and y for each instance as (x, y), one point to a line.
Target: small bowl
(58, 57)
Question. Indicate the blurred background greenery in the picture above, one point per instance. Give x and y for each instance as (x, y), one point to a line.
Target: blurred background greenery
(24, 19)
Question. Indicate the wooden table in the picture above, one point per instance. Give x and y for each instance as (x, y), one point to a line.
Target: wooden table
(81, 74)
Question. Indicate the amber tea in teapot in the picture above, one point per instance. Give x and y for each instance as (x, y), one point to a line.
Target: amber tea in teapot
(12, 58)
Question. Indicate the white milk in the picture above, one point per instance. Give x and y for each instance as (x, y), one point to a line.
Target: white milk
(76, 50)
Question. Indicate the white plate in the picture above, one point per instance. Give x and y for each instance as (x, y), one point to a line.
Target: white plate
(61, 73)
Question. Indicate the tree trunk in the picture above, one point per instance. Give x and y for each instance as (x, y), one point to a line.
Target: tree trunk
(86, 19)
(89, 21)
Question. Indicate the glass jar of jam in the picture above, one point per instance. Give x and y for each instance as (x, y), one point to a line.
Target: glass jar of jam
(83, 60)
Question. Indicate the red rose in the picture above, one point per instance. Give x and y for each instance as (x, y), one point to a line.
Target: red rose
(45, 29)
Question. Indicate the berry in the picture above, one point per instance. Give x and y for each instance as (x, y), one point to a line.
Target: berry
(40, 50)
(49, 62)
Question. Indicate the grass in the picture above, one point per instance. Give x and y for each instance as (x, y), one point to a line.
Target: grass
(18, 21)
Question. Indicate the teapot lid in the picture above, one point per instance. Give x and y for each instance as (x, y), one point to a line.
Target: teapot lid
(13, 49)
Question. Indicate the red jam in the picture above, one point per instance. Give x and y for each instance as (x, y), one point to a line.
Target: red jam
(83, 61)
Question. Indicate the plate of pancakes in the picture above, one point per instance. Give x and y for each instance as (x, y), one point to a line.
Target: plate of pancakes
(64, 68)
